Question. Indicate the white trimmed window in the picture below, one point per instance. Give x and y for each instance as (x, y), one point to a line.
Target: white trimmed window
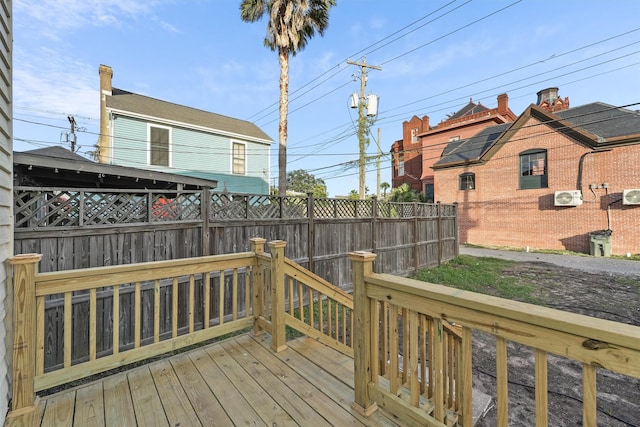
(239, 159)
(159, 145)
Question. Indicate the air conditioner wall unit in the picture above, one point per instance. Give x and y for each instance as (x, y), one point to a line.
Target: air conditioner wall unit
(567, 198)
(631, 196)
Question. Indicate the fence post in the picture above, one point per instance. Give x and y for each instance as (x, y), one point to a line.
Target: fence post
(278, 339)
(416, 238)
(374, 224)
(455, 227)
(362, 266)
(205, 212)
(311, 231)
(439, 224)
(257, 247)
(25, 268)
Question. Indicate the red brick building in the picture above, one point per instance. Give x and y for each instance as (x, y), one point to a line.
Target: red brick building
(421, 145)
(548, 180)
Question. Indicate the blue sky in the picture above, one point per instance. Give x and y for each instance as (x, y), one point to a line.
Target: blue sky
(435, 56)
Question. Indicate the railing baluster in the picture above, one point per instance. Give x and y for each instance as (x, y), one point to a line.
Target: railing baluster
(192, 302)
(336, 323)
(589, 404)
(311, 308)
(384, 345)
(414, 385)
(206, 295)
(300, 301)
(156, 311)
(465, 382)
(68, 328)
(116, 319)
(375, 339)
(137, 304)
(39, 343)
(291, 298)
(438, 362)
(174, 307)
(423, 353)
(234, 298)
(221, 299)
(502, 380)
(541, 389)
(393, 350)
(92, 323)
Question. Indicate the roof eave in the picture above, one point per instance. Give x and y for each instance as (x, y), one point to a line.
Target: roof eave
(146, 117)
(91, 167)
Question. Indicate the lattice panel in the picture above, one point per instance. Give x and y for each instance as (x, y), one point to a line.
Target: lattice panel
(324, 208)
(228, 206)
(427, 210)
(263, 207)
(294, 207)
(175, 207)
(46, 208)
(114, 208)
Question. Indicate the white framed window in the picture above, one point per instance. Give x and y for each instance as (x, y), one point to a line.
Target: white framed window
(414, 135)
(159, 146)
(238, 158)
(401, 164)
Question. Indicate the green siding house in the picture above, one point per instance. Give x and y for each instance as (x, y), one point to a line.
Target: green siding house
(146, 133)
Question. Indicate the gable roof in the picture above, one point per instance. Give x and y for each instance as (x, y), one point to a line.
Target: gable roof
(470, 108)
(596, 125)
(603, 120)
(124, 102)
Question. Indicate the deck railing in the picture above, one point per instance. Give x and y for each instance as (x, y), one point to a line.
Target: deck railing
(430, 385)
(162, 316)
(178, 303)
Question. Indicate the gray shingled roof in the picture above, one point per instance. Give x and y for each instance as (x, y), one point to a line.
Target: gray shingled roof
(144, 105)
(470, 108)
(603, 120)
(471, 148)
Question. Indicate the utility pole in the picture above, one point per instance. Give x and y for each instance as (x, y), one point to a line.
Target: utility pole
(361, 117)
(378, 166)
(72, 136)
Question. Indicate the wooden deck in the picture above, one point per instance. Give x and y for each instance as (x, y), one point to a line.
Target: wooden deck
(239, 381)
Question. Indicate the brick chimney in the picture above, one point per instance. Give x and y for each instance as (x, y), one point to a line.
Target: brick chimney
(103, 148)
(503, 103)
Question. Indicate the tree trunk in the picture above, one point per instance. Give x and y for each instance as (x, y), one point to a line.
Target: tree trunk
(283, 58)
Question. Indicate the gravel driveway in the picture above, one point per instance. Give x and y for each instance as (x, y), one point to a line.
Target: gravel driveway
(588, 264)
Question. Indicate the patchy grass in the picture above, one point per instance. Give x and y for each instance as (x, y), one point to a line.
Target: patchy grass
(479, 274)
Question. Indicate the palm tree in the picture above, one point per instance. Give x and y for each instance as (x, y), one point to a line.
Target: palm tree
(291, 25)
(385, 186)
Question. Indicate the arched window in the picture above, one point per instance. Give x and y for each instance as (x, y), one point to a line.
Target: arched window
(533, 169)
(467, 181)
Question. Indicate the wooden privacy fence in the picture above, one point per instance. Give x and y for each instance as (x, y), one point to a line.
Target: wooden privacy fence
(432, 383)
(81, 228)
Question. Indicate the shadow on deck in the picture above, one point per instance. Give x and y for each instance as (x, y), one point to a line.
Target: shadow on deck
(238, 381)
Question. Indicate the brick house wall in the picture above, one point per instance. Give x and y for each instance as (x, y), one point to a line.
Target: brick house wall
(410, 148)
(498, 213)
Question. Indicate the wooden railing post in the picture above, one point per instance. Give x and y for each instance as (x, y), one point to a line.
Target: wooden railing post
(278, 339)
(25, 268)
(257, 247)
(362, 265)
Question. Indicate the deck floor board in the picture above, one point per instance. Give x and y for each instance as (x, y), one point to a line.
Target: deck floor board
(238, 381)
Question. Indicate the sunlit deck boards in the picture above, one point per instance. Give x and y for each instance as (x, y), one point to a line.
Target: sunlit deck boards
(239, 381)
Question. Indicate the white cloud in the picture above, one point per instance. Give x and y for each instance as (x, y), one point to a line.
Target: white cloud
(48, 79)
(55, 16)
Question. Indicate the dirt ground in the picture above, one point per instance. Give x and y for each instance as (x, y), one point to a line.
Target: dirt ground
(608, 296)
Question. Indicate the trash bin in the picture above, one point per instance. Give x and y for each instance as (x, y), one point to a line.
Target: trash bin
(600, 243)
